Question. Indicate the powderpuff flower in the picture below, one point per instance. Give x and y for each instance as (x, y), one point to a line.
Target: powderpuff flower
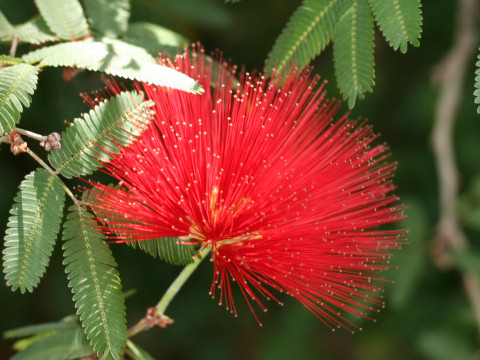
(285, 196)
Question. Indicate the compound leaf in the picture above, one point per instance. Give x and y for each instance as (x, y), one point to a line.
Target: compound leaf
(353, 43)
(154, 38)
(34, 31)
(113, 57)
(399, 20)
(17, 83)
(37, 329)
(32, 229)
(6, 29)
(94, 138)
(476, 93)
(108, 17)
(167, 249)
(307, 33)
(10, 60)
(67, 344)
(95, 283)
(65, 18)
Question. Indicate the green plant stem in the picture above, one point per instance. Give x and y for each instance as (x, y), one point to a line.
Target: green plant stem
(180, 281)
(54, 173)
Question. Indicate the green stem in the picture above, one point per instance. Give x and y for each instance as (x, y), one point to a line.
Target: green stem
(53, 173)
(179, 281)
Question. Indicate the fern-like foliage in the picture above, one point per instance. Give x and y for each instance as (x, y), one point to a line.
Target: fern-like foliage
(307, 33)
(154, 38)
(9, 60)
(400, 21)
(476, 93)
(95, 283)
(353, 52)
(167, 249)
(100, 133)
(65, 18)
(349, 24)
(6, 29)
(113, 57)
(67, 344)
(68, 323)
(17, 83)
(108, 18)
(34, 31)
(32, 229)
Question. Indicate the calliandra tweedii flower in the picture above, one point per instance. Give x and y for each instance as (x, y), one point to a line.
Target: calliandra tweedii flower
(287, 197)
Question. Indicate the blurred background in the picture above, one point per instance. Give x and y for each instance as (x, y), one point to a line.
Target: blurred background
(428, 314)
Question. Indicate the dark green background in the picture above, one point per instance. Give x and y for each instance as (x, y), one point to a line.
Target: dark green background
(427, 315)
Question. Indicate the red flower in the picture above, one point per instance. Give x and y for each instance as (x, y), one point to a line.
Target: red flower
(287, 197)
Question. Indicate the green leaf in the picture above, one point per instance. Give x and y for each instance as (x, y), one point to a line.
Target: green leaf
(95, 283)
(40, 328)
(34, 31)
(154, 38)
(22, 344)
(353, 43)
(95, 137)
(108, 17)
(65, 18)
(63, 345)
(9, 60)
(399, 20)
(17, 83)
(113, 57)
(476, 93)
(6, 29)
(307, 33)
(32, 229)
(166, 249)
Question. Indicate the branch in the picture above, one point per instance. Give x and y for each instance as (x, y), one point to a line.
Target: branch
(450, 75)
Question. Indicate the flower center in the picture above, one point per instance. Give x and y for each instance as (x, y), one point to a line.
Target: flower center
(216, 211)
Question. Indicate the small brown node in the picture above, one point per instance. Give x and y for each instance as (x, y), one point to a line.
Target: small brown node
(153, 318)
(17, 145)
(51, 142)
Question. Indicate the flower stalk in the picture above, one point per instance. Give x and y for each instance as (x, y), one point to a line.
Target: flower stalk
(178, 283)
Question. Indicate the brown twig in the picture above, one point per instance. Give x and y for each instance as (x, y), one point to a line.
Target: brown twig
(13, 47)
(48, 142)
(449, 75)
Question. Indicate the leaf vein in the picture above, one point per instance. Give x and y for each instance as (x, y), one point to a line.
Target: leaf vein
(308, 30)
(35, 222)
(95, 278)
